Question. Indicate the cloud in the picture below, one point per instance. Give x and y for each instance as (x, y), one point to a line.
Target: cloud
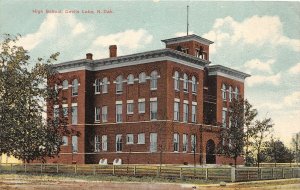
(295, 69)
(262, 79)
(127, 41)
(256, 30)
(51, 28)
(256, 64)
(292, 99)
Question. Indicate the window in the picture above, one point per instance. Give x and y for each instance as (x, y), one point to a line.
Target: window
(193, 143)
(97, 143)
(141, 105)
(129, 139)
(104, 85)
(176, 142)
(185, 82)
(64, 141)
(194, 111)
(65, 84)
(153, 142)
(104, 142)
(153, 80)
(119, 143)
(104, 113)
(176, 111)
(55, 112)
(194, 84)
(185, 112)
(65, 110)
(129, 106)
(74, 115)
(97, 86)
(130, 79)
(230, 94)
(74, 144)
(185, 143)
(97, 113)
(119, 113)
(142, 77)
(75, 87)
(153, 110)
(223, 92)
(185, 50)
(141, 138)
(176, 80)
(119, 84)
(236, 93)
(224, 116)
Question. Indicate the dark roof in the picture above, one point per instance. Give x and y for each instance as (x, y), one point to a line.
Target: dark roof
(188, 38)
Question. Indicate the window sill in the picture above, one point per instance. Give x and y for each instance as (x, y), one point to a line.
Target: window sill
(130, 113)
(153, 119)
(119, 92)
(141, 112)
(140, 143)
(129, 143)
(97, 93)
(104, 92)
(152, 89)
(97, 121)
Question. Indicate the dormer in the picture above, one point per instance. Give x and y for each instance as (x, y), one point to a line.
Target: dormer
(192, 44)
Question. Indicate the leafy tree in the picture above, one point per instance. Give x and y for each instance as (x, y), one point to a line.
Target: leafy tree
(261, 132)
(232, 138)
(249, 130)
(25, 133)
(275, 151)
(296, 147)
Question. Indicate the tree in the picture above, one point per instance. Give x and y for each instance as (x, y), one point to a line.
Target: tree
(231, 138)
(296, 147)
(275, 151)
(25, 133)
(261, 132)
(249, 130)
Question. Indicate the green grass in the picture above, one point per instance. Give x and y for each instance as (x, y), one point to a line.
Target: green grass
(73, 177)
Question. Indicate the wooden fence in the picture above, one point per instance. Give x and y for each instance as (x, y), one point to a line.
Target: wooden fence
(217, 173)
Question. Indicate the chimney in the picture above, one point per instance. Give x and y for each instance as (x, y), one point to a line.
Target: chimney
(89, 56)
(112, 51)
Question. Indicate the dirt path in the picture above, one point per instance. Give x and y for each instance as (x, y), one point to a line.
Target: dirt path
(36, 184)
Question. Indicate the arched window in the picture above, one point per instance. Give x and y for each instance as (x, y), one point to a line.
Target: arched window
(119, 84)
(185, 82)
(97, 86)
(194, 84)
(142, 77)
(75, 87)
(223, 92)
(130, 79)
(153, 80)
(176, 80)
(65, 84)
(104, 85)
(236, 93)
(230, 93)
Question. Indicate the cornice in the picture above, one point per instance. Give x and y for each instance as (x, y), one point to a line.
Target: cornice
(139, 58)
(188, 38)
(227, 72)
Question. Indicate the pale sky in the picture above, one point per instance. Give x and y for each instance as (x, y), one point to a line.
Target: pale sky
(259, 38)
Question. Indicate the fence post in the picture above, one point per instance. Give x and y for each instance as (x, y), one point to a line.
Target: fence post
(206, 174)
(261, 173)
(233, 174)
(25, 169)
(180, 173)
(113, 169)
(41, 168)
(56, 168)
(157, 172)
(11, 168)
(94, 169)
(292, 172)
(248, 175)
(282, 173)
(75, 168)
(134, 170)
